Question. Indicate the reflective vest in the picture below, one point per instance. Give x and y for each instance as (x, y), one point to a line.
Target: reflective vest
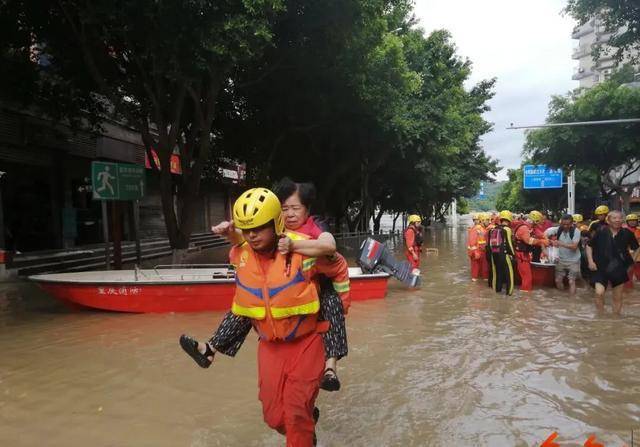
(283, 307)
(521, 245)
(477, 241)
(482, 241)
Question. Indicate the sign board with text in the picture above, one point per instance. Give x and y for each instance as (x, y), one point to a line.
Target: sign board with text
(541, 177)
(117, 181)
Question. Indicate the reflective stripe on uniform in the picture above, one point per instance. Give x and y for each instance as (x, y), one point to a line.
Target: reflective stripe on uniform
(308, 263)
(511, 275)
(341, 287)
(257, 313)
(303, 309)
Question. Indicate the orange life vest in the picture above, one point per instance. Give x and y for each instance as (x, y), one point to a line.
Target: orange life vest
(283, 307)
(482, 236)
(477, 239)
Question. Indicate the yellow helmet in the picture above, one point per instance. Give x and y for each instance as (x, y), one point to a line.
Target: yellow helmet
(577, 218)
(536, 216)
(631, 216)
(414, 218)
(485, 216)
(506, 215)
(602, 209)
(257, 207)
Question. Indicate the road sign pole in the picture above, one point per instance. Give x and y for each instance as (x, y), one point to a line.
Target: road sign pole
(116, 231)
(105, 232)
(136, 226)
(571, 192)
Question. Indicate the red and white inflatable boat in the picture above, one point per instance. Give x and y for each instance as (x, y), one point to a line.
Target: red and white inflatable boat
(171, 289)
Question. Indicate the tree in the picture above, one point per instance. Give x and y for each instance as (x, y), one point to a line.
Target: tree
(158, 66)
(326, 101)
(512, 195)
(610, 150)
(439, 158)
(622, 18)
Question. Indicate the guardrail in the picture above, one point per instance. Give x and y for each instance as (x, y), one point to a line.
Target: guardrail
(92, 257)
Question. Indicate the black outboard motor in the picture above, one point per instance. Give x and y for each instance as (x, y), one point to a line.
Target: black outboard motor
(376, 257)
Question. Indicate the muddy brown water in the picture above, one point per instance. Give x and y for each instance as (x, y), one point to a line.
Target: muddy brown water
(451, 364)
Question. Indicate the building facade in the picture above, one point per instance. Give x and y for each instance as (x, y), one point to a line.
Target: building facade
(590, 72)
(45, 185)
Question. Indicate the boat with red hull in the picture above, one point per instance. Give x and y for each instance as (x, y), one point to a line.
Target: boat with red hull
(171, 289)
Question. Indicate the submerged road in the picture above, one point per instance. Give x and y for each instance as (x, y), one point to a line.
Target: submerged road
(452, 364)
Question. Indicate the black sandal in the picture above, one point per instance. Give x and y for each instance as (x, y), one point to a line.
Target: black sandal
(190, 346)
(330, 381)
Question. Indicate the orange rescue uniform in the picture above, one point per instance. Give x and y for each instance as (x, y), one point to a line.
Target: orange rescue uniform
(476, 249)
(524, 245)
(279, 295)
(410, 241)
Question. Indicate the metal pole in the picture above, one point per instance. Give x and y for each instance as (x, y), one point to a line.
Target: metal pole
(571, 192)
(578, 123)
(136, 225)
(2, 241)
(116, 232)
(105, 232)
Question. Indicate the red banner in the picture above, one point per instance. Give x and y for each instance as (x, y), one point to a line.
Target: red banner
(176, 168)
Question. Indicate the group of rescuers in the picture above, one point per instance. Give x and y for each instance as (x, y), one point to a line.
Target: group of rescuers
(604, 252)
(292, 288)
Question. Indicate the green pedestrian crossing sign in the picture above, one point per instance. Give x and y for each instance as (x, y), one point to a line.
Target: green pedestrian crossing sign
(117, 181)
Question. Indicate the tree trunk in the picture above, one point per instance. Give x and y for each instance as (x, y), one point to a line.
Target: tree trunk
(376, 221)
(625, 199)
(395, 218)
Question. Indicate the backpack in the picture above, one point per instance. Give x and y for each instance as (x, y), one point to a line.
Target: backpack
(496, 240)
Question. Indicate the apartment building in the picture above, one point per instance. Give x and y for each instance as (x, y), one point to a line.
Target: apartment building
(590, 72)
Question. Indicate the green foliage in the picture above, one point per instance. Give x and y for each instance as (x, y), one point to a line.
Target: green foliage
(610, 152)
(491, 191)
(159, 66)
(348, 94)
(512, 195)
(463, 206)
(622, 18)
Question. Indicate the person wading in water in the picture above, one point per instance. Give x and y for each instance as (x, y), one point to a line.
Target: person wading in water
(278, 295)
(609, 258)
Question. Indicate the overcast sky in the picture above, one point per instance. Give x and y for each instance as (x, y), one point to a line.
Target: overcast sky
(526, 44)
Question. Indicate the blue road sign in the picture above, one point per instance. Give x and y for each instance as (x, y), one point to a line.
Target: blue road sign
(541, 177)
(481, 195)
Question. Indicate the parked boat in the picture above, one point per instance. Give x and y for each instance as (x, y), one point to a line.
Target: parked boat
(162, 289)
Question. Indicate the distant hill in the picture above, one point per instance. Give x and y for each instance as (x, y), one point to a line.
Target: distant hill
(491, 191)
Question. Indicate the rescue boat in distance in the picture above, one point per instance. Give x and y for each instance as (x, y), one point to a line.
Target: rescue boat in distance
(171, 289)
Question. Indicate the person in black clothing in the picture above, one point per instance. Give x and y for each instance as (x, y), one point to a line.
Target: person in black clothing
(501, 255)
(609, 258)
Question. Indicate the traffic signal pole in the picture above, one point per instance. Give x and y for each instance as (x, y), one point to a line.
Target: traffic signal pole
(571, 179)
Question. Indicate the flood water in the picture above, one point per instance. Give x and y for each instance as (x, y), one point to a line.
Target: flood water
(452, 364)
